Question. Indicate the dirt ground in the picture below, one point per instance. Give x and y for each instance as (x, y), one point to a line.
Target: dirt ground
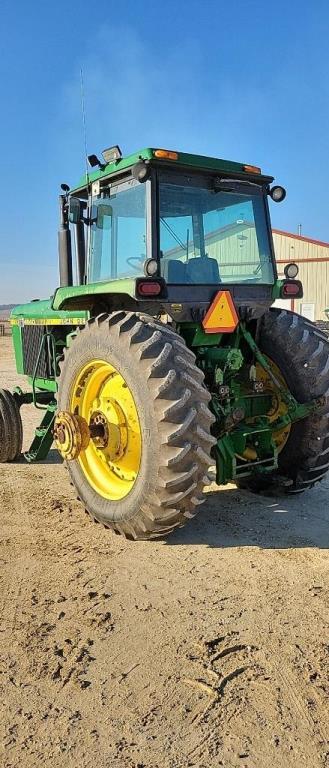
(208, 649)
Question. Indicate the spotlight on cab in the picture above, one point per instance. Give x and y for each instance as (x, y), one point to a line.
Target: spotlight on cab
(150, 267)
(291, 270)
(277, 194)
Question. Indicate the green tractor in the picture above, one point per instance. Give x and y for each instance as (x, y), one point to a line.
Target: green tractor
(160, 355)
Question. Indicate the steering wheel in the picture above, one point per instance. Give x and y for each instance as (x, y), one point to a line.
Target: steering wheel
(132, 259)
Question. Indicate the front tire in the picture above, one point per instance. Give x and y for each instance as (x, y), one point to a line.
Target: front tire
(168, 396)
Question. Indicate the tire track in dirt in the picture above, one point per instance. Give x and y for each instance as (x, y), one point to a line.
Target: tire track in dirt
(56, 615)
(14, 512)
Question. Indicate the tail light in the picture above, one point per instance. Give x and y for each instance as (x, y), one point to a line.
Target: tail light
(292, 289)
(148, 288)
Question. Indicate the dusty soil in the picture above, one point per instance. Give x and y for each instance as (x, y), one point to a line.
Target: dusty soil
(210, 649)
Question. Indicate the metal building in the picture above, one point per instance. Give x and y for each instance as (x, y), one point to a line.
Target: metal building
(312, 257)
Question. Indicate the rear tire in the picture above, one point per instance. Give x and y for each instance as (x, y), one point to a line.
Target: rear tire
(11, 428)
(301, 352)
(175, 422)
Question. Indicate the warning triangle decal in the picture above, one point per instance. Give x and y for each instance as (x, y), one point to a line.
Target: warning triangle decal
(221, 316)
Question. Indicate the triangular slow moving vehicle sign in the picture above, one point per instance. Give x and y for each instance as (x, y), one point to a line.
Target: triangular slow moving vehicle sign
(221, 316)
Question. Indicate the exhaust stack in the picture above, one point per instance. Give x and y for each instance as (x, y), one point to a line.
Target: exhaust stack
(64, 245)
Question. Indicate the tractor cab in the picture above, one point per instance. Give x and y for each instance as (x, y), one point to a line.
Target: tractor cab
(169, 228)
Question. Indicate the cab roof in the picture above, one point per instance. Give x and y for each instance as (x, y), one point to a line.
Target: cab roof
(173, 158)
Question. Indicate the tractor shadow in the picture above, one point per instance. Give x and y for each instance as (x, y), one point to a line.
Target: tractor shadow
(52, 458)
(234, 518)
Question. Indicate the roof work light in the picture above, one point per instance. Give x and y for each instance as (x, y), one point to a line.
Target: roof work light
(291, 270)
(277, 194)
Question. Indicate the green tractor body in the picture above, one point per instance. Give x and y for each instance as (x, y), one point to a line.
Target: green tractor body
(159, 354)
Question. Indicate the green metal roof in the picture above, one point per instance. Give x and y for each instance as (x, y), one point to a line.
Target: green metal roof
(184, 159)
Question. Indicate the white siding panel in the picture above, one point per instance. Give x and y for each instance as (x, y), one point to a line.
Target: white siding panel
(313, 274)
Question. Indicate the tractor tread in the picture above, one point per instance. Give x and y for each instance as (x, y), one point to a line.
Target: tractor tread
(305, 458)
(182, 423)
(11, 428)
(172, 410)
(178, 478)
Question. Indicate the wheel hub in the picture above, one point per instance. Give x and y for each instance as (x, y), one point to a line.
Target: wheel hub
(279, 407)
(71, 435)
(99, 429)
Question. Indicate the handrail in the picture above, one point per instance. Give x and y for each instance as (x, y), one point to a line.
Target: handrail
(46, 336)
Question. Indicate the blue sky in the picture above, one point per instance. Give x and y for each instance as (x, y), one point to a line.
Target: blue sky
(245, 80)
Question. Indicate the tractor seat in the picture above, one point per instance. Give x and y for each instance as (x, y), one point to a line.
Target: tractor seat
(202, 269)
(174, 271)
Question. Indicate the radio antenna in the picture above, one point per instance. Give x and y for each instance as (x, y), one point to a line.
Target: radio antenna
(84, 125)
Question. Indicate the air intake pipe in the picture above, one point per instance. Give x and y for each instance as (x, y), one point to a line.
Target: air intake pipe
(64, 245)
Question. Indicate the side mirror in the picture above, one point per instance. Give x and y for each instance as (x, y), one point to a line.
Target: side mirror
(75, 210)
(104, 216)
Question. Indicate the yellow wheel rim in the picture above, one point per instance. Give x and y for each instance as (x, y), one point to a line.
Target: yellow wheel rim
(280, 408)
(111, 462)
